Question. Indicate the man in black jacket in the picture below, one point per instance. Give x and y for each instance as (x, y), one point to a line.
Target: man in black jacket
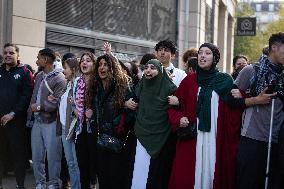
(16, 89)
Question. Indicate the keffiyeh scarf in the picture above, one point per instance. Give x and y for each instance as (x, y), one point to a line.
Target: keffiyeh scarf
(264, 72)
(80, 103)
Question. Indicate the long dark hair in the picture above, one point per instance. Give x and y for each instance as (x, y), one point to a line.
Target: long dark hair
(118, 80)
(89, 54)
(134, 73)
(90, 83)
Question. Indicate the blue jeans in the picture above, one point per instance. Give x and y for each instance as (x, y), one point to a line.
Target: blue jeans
(70, 155)
(44, 141)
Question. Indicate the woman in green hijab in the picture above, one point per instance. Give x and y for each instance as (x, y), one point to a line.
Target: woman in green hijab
(155, 143)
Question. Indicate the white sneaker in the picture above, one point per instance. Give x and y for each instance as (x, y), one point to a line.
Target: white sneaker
(40, 186)
(52, 187)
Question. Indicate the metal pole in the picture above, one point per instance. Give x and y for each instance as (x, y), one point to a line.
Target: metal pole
(269, 143)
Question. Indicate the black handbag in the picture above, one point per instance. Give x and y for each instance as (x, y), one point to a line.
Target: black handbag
(187, 133)
(111, 143)
(107, 139)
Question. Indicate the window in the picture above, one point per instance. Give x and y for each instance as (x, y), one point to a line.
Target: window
(209, 3)
(209, 19)
(271, 8)
(258, 7)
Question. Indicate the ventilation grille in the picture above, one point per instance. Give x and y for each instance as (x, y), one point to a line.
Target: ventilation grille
(148, 19)
(75, 13)
(62, 49)
(58, 37)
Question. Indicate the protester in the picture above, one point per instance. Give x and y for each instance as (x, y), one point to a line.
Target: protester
(67, 56)
(155, 141)
(188, 54)
(113, 121)
(165, 51)
(239, 62)
(67, 119)
(207, 160)
(191, 65)
(16, 85)
(252, 154)
(145, 58)
(85, 136)
(64, 175)
(133, 72)
(29, 130)
(43, 137)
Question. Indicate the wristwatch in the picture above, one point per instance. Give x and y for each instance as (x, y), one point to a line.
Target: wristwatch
(38, 108)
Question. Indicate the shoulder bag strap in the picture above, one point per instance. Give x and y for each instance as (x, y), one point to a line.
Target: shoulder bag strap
(47, 86)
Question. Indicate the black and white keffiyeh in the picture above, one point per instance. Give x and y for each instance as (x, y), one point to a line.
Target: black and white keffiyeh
(264, 72)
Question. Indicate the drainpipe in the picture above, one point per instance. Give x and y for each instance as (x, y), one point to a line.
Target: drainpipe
(149, 16)
(213, 20)
(186, 24)
(199, 23)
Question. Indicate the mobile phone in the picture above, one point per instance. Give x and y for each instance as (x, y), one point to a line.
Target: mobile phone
(271, 87)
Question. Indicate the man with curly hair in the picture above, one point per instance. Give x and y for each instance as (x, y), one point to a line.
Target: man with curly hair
(165, 51)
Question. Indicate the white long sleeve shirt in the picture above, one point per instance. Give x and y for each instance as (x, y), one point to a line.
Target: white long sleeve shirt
(179, 74)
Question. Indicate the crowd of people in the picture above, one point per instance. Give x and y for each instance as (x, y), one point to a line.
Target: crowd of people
(144, 126)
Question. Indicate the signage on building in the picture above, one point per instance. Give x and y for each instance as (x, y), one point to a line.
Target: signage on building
(246, 26)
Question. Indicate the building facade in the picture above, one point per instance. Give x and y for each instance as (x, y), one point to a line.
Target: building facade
(266, 12)
(132, 26)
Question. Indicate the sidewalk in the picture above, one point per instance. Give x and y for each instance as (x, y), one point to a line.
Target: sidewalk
(9, 182)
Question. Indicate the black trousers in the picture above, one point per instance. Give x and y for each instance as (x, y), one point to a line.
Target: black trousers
(161, 167)
(115, 169)
(280, 179)
(251, 164)
(13, 137)
(86, 157)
